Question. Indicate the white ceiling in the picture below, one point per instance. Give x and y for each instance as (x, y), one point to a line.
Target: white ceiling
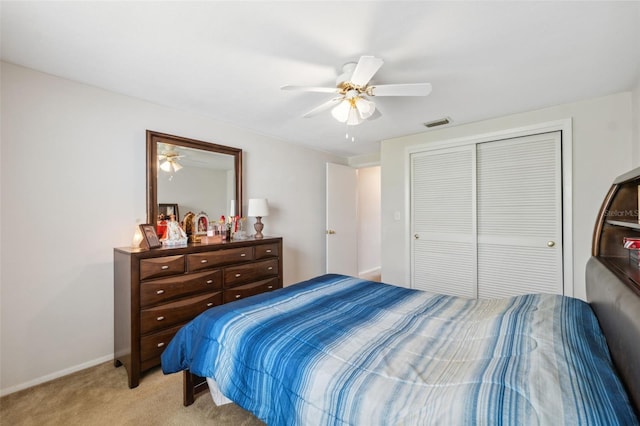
(227, 60)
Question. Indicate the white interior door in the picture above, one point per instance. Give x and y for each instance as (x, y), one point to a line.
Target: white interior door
(443, 250)
(519, 185)
(342, 220)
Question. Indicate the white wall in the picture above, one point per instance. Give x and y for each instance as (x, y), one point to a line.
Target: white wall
(636, 123)
(369, 225)
(602, 150)
(73, 187)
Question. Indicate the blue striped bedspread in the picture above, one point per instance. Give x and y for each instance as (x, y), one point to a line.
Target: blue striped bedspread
(337, 350)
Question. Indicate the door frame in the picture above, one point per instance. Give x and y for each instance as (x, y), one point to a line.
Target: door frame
(566, 145)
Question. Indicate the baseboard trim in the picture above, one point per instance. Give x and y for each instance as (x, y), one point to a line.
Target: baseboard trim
(56, 375)
(370, 273)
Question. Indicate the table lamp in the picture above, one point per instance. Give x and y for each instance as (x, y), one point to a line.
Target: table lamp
(258, 208)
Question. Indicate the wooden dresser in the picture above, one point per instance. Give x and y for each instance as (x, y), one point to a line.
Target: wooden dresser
(157, 291)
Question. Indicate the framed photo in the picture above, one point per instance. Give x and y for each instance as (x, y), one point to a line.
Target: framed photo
(149, 237)
(165, 210)
(201, 224)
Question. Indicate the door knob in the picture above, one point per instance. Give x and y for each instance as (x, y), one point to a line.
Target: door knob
(330, 232)
(551, 243)
(416, 236)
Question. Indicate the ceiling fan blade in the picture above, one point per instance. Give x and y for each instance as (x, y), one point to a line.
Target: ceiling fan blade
(366, 68)
(311, 89)
(324, 106)
(409, 89)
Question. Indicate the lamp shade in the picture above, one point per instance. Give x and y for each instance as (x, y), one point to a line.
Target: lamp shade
(258, 207)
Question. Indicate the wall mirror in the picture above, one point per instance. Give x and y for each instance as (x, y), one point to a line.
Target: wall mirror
(196, 176)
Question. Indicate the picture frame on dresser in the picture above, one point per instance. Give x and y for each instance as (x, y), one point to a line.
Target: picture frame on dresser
(201, 224)
(167, 209)
(149, 237)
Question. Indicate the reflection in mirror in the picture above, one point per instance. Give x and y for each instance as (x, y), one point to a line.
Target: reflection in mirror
(198, 177)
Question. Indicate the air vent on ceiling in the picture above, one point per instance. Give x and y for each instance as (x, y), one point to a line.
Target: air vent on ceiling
(440, 122)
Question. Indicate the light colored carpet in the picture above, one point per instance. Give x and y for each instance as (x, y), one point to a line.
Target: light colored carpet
(100, 396)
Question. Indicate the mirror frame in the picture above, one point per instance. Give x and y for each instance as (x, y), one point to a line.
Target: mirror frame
(153, 138)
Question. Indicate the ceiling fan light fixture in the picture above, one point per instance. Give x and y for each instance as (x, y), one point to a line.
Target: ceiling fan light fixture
(365, 107)
(354, 116)
(354, 86)
(166, 166)
(341, 111)
(176, 166)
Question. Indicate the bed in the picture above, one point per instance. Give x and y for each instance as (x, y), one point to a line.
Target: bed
(342, 350)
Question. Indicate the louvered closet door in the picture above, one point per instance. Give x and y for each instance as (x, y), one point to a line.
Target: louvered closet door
(443, 221)
(519, 203)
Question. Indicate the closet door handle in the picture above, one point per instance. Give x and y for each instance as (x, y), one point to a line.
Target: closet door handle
(551, 243)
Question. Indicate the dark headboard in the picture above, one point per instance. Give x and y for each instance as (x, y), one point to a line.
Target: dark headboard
(617, 307)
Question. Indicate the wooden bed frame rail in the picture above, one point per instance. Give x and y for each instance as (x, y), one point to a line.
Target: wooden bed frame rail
(192, 386)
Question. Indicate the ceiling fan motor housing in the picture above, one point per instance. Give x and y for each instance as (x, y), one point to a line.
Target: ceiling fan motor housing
(347, 72)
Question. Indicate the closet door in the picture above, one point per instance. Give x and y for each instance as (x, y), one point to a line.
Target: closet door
(519, 207)
(443, 221)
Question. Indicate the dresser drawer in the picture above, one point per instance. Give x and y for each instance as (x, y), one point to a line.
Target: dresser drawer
(151, 346)
(161, 266)
(235, 275)
(199, 261)
(267, 250)
(243, 291)
(164, 316)
(159, 291)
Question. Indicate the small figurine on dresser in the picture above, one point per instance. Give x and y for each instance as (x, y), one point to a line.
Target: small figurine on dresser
(174, 234)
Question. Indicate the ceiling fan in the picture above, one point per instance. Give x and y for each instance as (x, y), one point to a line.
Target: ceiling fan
(169, 160)
(352, 105)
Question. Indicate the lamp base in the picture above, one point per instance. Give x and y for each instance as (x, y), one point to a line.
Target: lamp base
(258, 226)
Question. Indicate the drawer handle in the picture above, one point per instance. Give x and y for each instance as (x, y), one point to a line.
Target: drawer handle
(238, 296)
(204, 261)
(159, 318)
(160, 292)
(269, 251)
(270, 287)
(270, 268)
(243, 254)
(238, 275)
(164, 267)
(161, 344)
(209, 305)
(209, 281)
